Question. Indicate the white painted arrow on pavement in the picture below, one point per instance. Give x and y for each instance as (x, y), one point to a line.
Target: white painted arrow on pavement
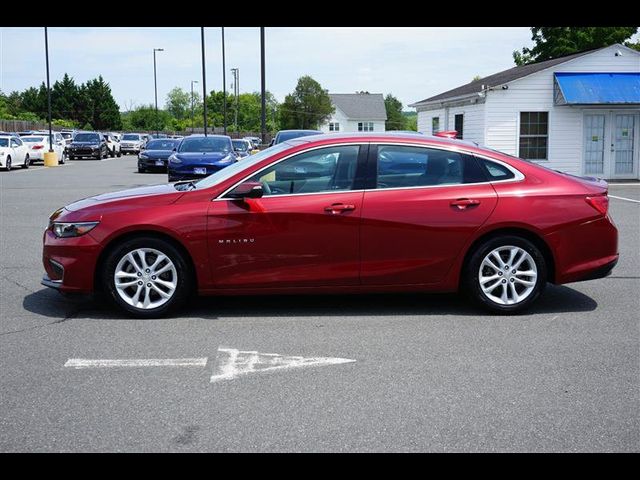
(232, 363)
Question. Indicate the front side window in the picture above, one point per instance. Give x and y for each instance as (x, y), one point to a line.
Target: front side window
(365, 126)
(534, 131)
(17, 142)
(403, 166)
(323, 170)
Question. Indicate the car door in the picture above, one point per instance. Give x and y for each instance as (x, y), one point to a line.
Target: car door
(423, 204)
(303, 232)
(20, 151)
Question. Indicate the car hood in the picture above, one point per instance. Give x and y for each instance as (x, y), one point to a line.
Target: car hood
(84, 144)
(151, 195)
(201, 157)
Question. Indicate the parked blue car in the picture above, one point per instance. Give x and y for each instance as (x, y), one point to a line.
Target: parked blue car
(155, 156)
(197, 156)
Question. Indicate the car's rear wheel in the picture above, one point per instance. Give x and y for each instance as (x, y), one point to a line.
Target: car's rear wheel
(147, 277)
(27, 162)
(505, 274)
(62, 159)
(8, 164)
(112, 153)
(119, 153)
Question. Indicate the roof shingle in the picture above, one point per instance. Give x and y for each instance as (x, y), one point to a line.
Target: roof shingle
(360, 106)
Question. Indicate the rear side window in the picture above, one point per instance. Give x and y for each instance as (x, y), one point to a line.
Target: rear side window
(495, 171)
(404, 166)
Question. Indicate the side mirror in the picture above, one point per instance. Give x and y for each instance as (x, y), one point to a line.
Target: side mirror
(247, 190)
(175, 149)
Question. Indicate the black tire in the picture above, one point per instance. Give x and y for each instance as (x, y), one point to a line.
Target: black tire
(62, 159)
(119, 154)
(106, 153)
(184, 276)
(112, 153)
(27, 162)
(471, 273)
(71, 157)
(99, 155)
(141, 170)
(8, 164)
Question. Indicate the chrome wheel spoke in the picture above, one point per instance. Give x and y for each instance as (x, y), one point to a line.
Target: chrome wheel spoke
(491, 288)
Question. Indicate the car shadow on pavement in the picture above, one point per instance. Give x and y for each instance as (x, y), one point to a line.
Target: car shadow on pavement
(555, 299)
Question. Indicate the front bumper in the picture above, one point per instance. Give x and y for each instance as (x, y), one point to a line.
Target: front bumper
(83, 152)
(187, 172)
(150, 163)
(69, 263)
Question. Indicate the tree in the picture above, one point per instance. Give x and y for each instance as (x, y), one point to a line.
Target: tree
(476, 78)
(63, 98)
(34, 100)
(395, 118)
(100, 107)
(307, 107)
(144, 118)
(412, 122)
(178, 103)
(553, 42)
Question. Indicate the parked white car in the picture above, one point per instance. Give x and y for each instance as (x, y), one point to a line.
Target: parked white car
(13, 153)
(38, 145)
(132, 143)
(113, 144)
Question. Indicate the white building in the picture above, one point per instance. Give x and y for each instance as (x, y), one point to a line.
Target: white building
(356, 112)
(579, 113)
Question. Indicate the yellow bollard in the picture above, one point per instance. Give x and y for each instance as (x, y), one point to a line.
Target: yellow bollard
(50, 159)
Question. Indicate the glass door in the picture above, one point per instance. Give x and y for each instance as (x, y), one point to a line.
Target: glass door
(624, 156)
(594, 143)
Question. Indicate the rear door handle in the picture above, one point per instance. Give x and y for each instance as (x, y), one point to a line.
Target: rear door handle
(463, 203)
(339, 208)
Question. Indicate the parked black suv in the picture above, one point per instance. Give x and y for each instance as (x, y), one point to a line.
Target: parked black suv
(88, 144)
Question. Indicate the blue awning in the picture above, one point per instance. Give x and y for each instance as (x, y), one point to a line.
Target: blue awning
(597, 88)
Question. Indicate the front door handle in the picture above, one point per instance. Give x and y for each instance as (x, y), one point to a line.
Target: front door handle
(463, 203)
(337, 208)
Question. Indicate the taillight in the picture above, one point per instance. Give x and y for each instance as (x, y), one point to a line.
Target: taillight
(37, 147)
(599, 202)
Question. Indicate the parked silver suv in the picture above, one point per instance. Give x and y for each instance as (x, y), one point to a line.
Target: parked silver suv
(132, 143)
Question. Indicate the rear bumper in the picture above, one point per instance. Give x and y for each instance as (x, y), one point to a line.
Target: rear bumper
(586, 251)
(151, 164)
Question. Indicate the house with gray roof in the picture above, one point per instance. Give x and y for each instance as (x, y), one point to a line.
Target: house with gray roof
(579, 113)
(356, 112)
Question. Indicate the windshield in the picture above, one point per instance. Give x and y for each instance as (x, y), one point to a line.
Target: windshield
(130, 137)
(205, 144)
(161, 145)
(4, 142)
(87, 137)
(231, 170)
(241, 145)
(32, 139)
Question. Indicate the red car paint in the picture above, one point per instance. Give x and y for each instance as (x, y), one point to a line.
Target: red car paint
(363, 240)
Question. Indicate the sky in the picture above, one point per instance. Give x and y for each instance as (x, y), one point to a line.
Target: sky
(411, 63)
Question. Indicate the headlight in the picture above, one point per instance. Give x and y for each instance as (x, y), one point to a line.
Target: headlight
(64, 230)
(174, 159)
(142, 156)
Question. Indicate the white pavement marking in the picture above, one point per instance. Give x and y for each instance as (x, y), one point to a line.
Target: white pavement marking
(133, 362)
(626, 199)
(231, 363)
(637, 184)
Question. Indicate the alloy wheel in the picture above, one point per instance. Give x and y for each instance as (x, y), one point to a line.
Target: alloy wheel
(508, 275)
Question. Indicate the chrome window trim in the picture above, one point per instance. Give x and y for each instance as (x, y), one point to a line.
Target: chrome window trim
(519, 176)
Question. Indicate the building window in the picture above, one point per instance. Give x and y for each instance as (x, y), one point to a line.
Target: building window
(458, 122)
(365, 126)
(435, 125)
(534, 135)
(334, 127)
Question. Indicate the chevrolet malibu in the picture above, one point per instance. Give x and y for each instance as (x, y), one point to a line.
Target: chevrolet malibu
(318, 214)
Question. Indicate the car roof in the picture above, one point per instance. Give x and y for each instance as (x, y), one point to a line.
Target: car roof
(201, 135)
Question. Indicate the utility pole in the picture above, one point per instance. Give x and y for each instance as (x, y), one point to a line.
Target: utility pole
(204, 82)
(263, 120)
(155, 83)
(192, 82)
(224, 88)
(46, 51)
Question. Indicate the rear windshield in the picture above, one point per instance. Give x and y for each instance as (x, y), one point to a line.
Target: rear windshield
(241, 145)
(130, 137)
(205, 144)
(87, 137)
(32, 139)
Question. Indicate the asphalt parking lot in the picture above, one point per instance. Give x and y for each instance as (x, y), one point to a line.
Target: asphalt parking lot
(428, 372)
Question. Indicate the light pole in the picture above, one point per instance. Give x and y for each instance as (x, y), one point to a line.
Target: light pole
(192, 82)
(204, 81)
(46, 51)
(224, 88)
(263, 118)
(236, 92)
(155, 83)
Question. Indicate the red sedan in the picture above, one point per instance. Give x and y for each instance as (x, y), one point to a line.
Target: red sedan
(341, 214)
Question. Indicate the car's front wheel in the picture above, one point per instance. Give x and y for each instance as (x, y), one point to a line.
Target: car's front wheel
(147, 277)
(505, 274)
